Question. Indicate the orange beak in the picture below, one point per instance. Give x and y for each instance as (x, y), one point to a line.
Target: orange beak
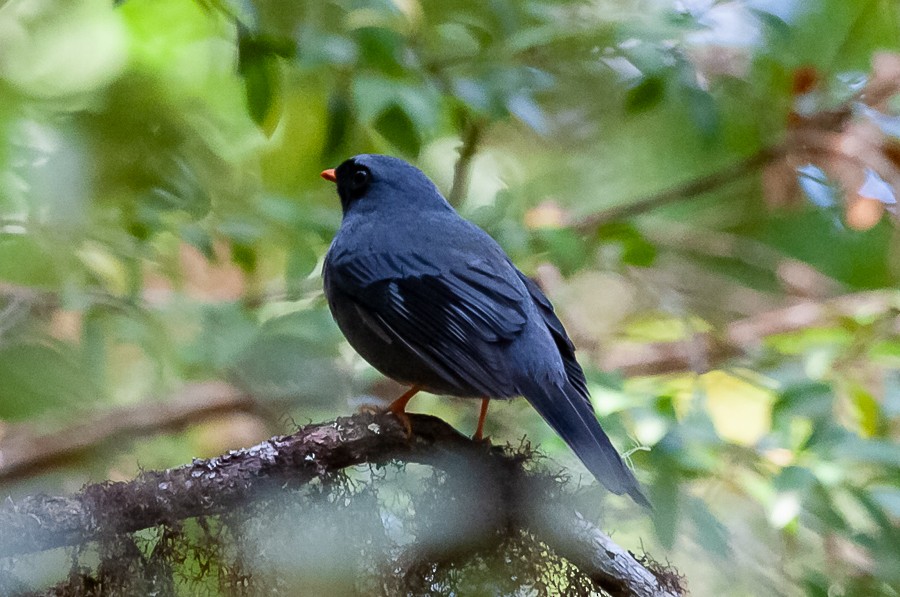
(329, 175)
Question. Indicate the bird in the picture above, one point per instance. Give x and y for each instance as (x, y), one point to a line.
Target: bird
(430, 300)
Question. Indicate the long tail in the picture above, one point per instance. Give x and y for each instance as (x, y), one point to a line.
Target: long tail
(572, 417)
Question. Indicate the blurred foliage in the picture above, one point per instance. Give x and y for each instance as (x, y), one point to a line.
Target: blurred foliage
(162, 221)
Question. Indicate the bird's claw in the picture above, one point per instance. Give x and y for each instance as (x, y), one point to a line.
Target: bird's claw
(404, 420)
(367, 408)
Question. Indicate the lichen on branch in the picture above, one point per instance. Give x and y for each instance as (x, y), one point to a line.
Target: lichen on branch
(481, 502)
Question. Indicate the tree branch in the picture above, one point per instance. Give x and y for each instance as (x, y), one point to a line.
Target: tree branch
(22, 451)
(741, 336)
(695, 187)
(616, 570)
(462, 169)
(220, 485)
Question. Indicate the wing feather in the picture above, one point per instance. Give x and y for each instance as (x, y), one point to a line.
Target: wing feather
(566, 349)
(457, 320)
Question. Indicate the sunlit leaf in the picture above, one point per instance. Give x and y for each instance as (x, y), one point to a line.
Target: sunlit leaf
(24, 261)
(739, 410)
(816, 185)
(529, 112)
(455, 40)
(889, 124)
(867, 410)
(876, 188)
(473, 93)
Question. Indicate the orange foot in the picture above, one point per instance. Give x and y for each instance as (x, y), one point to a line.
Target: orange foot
(398, 407)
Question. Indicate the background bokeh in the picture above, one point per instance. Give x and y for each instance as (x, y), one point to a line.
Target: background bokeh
(704, 189)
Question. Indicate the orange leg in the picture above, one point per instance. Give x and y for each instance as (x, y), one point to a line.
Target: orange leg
(479, 431)
(398, 407)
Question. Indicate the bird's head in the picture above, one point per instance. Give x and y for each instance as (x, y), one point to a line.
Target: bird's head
(370, 182)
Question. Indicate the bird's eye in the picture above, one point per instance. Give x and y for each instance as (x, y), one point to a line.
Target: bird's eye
(360, 180)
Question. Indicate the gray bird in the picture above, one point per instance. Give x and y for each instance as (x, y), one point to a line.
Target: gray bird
(433, 302)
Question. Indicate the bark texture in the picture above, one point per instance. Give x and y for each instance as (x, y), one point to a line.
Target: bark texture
(508, 496)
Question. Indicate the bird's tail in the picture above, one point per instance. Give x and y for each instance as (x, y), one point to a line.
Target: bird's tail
(572, 417)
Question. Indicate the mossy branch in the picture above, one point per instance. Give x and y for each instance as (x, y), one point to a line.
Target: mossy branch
(513, 497)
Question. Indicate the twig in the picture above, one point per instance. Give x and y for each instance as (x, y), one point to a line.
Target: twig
(223, 484)
(743, 335)
(695, 187)
(22, 452)
(462, 169)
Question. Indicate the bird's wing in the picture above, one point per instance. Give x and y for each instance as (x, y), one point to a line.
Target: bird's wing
(566, 349)
(456, 319)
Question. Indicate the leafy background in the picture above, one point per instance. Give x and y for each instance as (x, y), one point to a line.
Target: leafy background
(162, 224)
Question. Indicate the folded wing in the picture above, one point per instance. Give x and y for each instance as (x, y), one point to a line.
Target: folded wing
(457, 319)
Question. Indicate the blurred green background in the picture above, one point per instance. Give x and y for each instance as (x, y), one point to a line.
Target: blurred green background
(162, 225)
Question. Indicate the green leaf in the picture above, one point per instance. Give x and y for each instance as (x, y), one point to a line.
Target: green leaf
(260, 84)
(871, 452)
(564, 247)
(455, 41)
(395, 125)
(795, 479)
(666, 494)
(523, 106)
(887, 350)
(809, 399)
(301, 262)
(774, 24)
(635, 249)
(868, 411)
(858, 259)
(380, 49)
(648, 93)
(374, 95)
(226, 329)
(312, 325)
(200, 239)
(258, 66)
(286, 367)
(703, 110)
(36, 377)
(179, 190)
(340, 118)
(711, 533)
(244, 256)
(24, 261)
